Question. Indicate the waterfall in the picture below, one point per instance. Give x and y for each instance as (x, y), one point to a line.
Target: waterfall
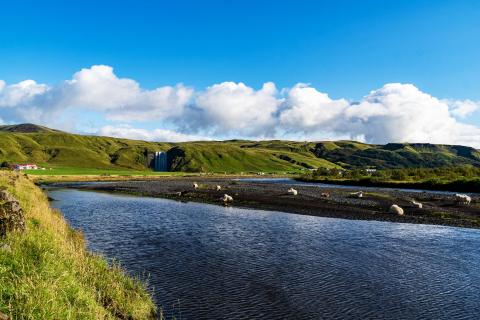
(160, 162)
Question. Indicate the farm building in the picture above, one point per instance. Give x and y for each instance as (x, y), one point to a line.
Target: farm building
(27, 166)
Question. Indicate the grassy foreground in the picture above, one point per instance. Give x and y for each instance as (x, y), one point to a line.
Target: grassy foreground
(47, 273)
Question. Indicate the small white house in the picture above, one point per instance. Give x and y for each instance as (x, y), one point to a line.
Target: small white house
(26, 166)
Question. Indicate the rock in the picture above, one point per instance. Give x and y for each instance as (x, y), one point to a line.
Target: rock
(6, 196)
(12, 217)
(3, 316)
(5, 247)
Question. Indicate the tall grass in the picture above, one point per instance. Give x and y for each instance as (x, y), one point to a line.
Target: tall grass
(47, 273)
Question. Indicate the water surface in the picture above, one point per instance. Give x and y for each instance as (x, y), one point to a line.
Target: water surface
(212, 262)
(289, 181)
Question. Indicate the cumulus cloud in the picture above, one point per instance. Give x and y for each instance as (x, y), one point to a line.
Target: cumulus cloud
(122, 99)
(99, 89)
(394, 113)
(231, 107)
(307, 109)
(463, 108)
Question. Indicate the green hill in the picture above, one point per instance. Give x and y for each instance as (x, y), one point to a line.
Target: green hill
(26, 127)
(53, 148)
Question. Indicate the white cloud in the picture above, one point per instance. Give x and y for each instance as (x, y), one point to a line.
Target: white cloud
(463, 108)
(307, 109)
(231, 107)
(126, 131)
(400, 113)
(122, 99)
(20, 94)
(394, 113)
(98, 89)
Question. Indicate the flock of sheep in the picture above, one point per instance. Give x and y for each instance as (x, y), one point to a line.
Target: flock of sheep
(226, 198)
(394, 208)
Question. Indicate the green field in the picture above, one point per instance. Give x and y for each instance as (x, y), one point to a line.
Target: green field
(460, 178)
(97, 172)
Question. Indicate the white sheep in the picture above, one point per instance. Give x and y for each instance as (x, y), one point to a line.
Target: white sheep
(292, 191)
(416, 204)
(396, 209)
(226, 198)
(218, 188)
(463, 198)
(358, 194)
(195, 185)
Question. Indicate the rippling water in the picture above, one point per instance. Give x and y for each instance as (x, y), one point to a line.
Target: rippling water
(213, 262)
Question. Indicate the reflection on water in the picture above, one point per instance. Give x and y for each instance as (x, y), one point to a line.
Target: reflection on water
(229, 263)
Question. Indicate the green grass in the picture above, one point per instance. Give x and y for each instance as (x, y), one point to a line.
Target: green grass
(234, 157)
(58, 171)
(46, 272)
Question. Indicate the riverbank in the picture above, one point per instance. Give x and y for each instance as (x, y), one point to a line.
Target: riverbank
(438, 209)
(46, 271)
(49, 179)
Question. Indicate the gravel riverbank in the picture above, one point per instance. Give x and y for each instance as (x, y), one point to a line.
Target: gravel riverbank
(439, 209)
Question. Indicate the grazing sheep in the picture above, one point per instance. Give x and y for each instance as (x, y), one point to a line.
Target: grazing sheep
(218, 188)
(292, 191)
(358, 194)
(226, 198)
(195, 185)
(325, 195)
(396, 209)
(416, 204)
(463, 198)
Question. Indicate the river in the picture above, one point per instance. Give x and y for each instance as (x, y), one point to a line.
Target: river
(205, 261)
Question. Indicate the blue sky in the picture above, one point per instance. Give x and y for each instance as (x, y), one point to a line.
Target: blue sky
(345, 49)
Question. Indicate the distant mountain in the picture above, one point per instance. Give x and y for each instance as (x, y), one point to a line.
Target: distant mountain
(44, 146)
(26, 128)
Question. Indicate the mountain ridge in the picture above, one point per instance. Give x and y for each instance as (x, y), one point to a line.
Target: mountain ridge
(51, 147)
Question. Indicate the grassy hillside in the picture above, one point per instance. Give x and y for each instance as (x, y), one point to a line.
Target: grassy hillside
(58, 149)
(396, 155)
(243, 156)
(46, 272)
(63, 149)
(26, 127)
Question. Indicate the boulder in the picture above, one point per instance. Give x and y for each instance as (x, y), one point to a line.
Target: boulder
(12, 217)
(6, 196)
